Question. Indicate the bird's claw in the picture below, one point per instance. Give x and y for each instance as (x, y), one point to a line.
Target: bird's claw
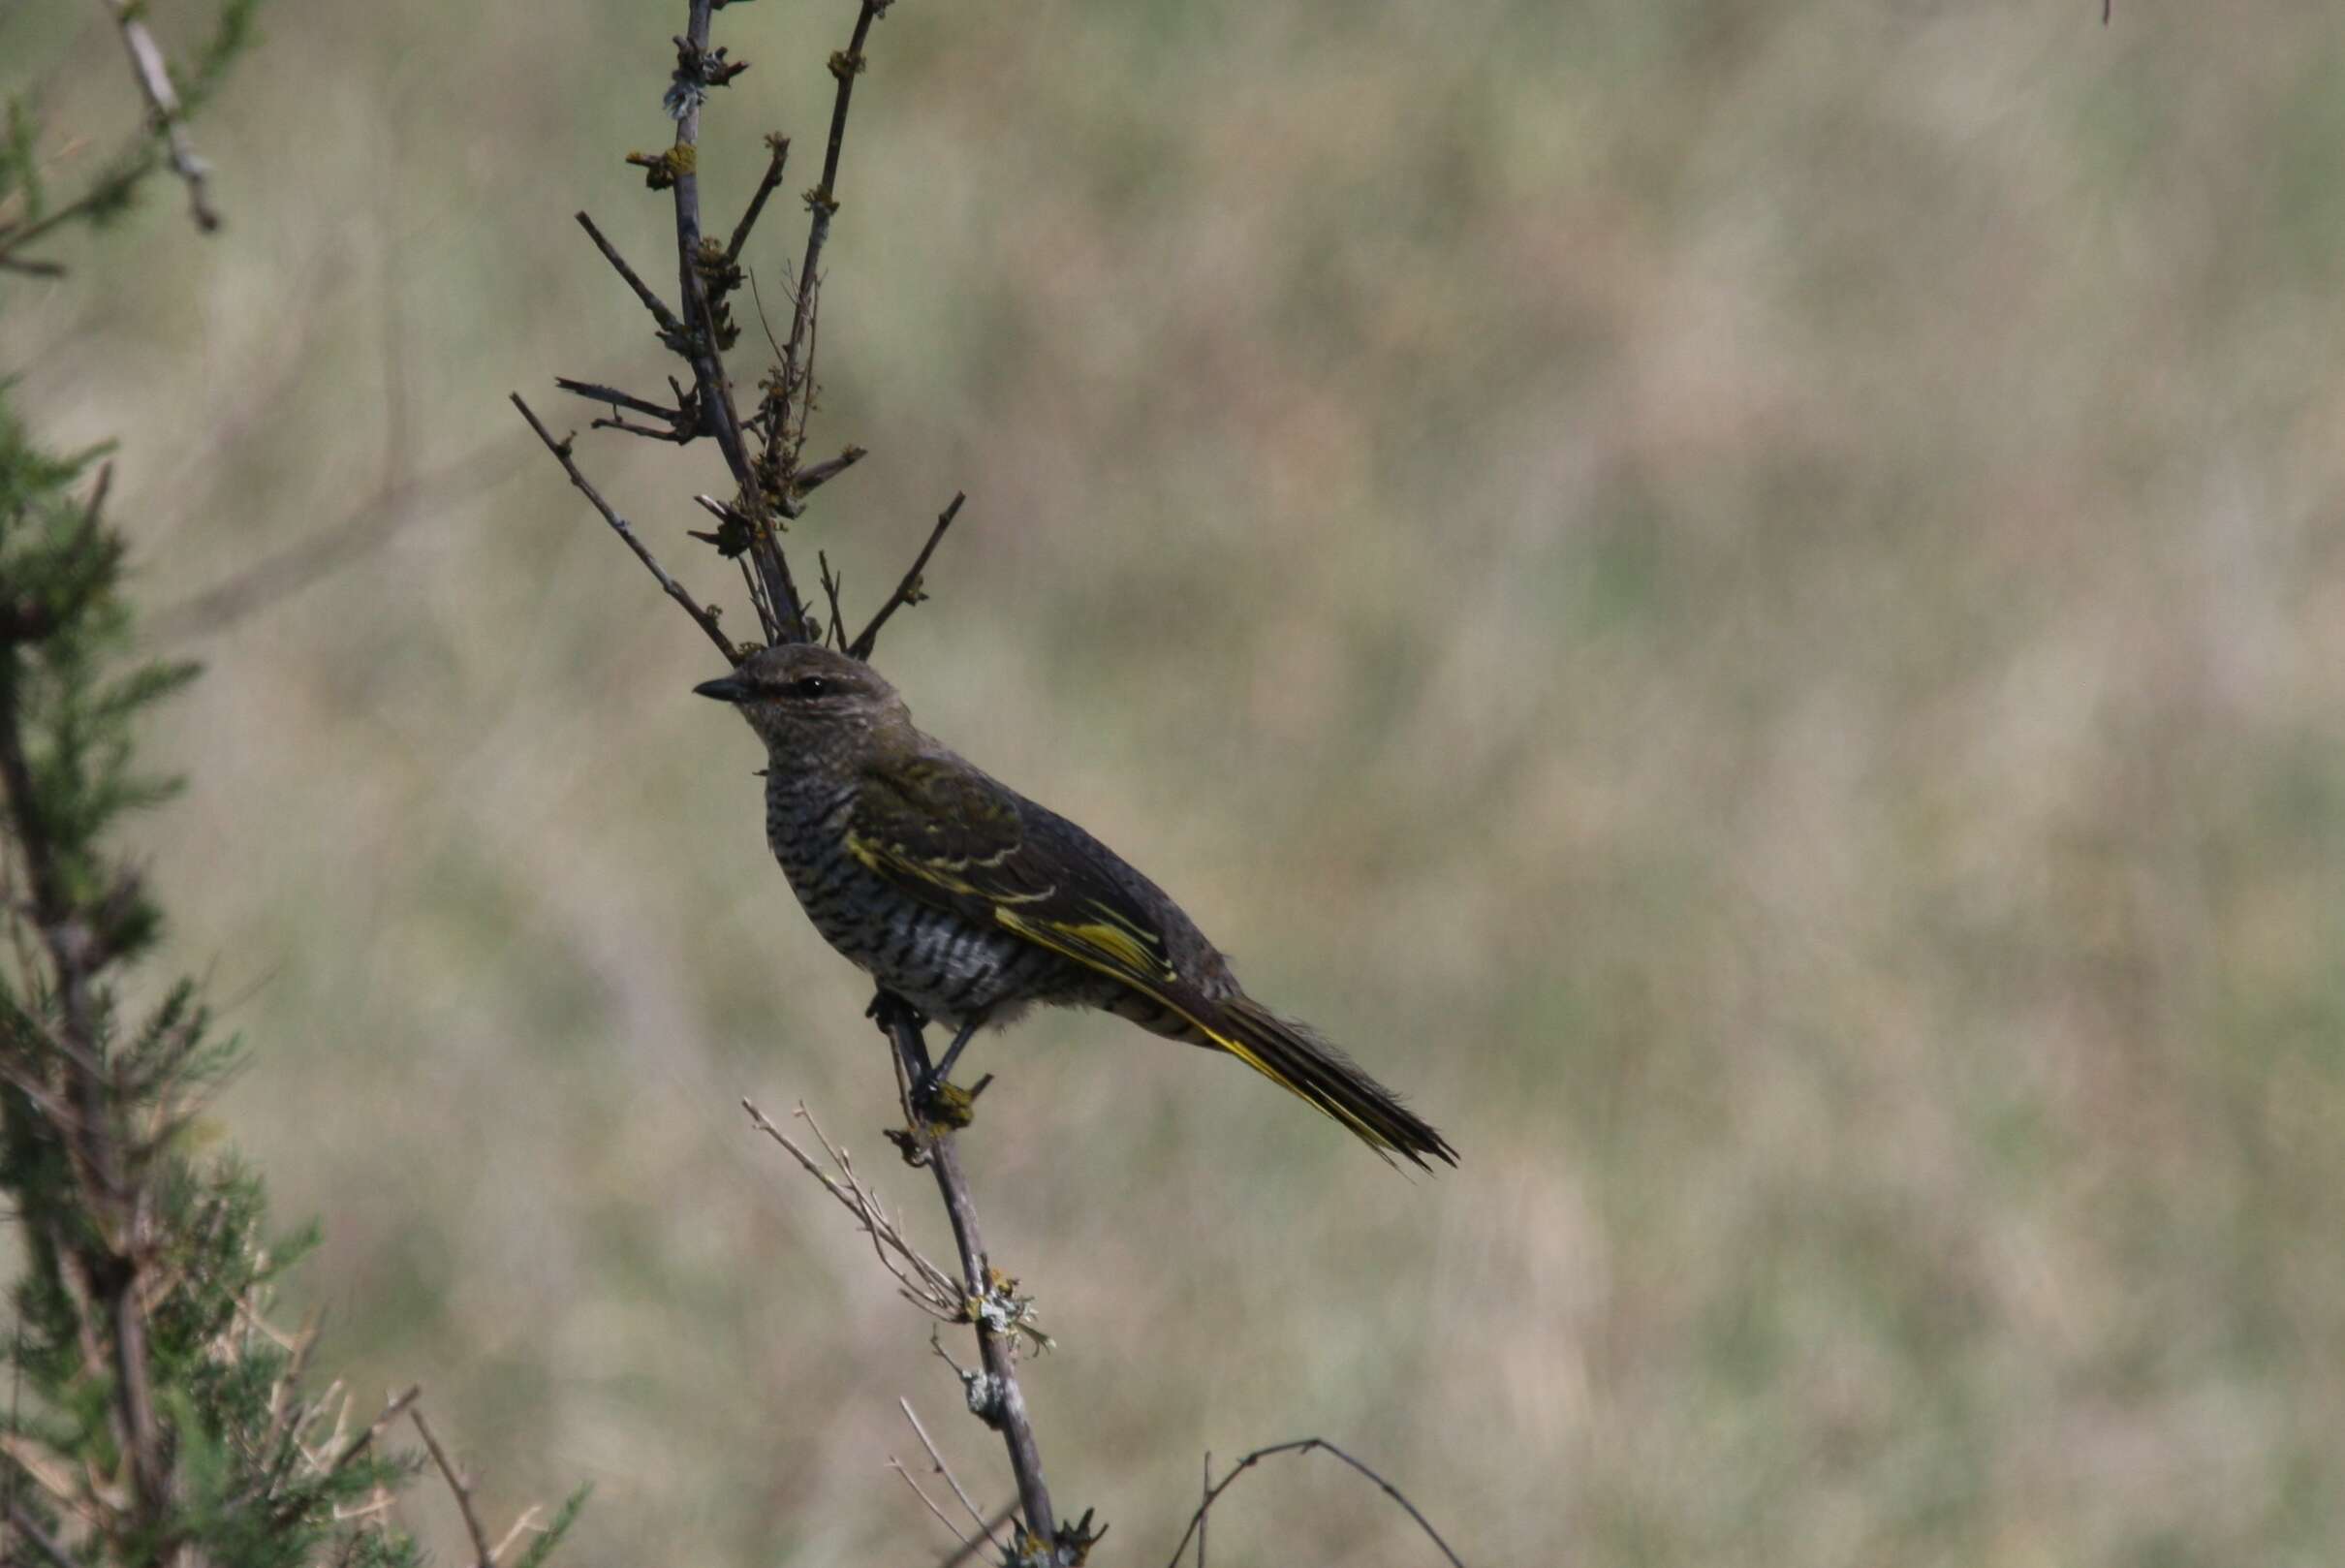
(944, 1103)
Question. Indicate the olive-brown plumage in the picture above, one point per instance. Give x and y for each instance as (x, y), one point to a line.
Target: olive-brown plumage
(973, 903)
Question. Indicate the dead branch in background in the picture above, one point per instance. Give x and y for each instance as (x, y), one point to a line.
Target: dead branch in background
(307, 561)
(164, 114)
(1300, 1445)
(165, 130)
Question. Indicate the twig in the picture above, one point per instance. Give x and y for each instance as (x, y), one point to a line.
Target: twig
(795, 384)
(153, 72)
(908, 591)
(832, 583)
(374, 1429)
(1300, 1445)
(20, 1520)
(968, 1548)
(669, 326)
(595, 391)
(943, 1469)
(485, 1555)
(942, 1518)
(815, 475)
(698, 70)
(1204, 1502)
(705, 619)
(523, 1524)
(779, 146)
(109, 187)
(996, 1347)
(927, 1286)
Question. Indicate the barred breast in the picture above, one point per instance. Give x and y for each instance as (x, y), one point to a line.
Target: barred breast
(939, 962)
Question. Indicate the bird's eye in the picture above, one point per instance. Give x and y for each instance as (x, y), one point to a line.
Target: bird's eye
(810, 687)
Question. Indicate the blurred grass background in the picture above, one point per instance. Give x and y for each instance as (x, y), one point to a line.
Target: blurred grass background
(1745, 598)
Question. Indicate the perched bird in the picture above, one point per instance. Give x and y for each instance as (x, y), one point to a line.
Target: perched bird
(972, 902)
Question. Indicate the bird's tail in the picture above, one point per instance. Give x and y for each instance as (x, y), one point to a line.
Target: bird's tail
(1298, 1061)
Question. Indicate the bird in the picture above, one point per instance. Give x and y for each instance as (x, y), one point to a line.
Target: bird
(973, 903)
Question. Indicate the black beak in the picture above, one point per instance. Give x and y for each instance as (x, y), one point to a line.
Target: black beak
(726, 689)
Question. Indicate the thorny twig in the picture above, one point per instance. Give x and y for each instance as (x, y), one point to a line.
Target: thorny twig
(778, 147)
(704, 618)
(998, 1399)
(769, 489)
(698, 70)
(769, 485)
(669, 326)
(980, 1298)
(791, 398)
(908, 591)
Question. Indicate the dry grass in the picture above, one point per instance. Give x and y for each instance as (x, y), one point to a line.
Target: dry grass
(1746, 598)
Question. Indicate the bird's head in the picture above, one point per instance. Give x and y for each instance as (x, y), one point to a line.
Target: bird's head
(806, 701)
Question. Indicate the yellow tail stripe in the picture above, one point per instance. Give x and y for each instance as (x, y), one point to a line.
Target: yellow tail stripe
(1041, 936)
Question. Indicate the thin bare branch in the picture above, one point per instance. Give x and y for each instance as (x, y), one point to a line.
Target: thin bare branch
(942, 1468)
(1300, 1445)
(786, 424)
(108, 188)
(704, 618)
(1203, 1503)
(778, 145)
(20, 1520)
(968, 1548)
(927, 1286)
(908, 591)
(398, 1405)
(525, 1524)
(596, 393)
(484, 1556)
(832, 582)
(1000, 1402)
(814, 476)
(275, 579)
(942, 1518)
(153, 74)
(669, 325)
(699, 68)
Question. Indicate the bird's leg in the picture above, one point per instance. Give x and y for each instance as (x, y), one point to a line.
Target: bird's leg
(960, 1042)
(934, 1094)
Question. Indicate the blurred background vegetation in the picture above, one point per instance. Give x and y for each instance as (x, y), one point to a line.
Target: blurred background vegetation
(1748, 599)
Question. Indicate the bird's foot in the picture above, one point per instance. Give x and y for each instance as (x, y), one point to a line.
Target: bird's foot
(944, 1103)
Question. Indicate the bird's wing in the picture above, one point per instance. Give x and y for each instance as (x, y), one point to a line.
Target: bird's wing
(951, 836)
